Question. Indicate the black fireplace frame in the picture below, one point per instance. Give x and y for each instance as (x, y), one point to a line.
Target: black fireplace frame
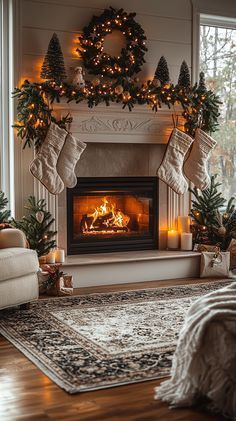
(85, 186)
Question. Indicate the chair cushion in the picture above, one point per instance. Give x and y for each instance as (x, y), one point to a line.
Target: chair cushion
(12, 237)
(16, 262)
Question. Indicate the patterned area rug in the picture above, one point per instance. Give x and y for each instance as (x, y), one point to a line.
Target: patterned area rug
(97, 341)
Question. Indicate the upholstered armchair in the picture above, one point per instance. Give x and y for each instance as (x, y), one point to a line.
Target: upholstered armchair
(18, 269)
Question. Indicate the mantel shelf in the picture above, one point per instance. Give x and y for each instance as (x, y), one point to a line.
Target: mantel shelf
(112, 124)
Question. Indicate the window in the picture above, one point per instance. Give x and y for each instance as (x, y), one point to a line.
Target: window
(218, 62)
(6, 103)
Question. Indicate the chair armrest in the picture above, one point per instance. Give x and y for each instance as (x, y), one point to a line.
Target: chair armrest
(12, 237)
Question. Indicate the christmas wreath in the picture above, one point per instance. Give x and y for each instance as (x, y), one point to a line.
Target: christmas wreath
(97, 61)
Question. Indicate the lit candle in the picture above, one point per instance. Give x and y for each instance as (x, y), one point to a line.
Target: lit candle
(173, 239)
(50, 257)
(183, 224)
(59, 256)
(186, 241)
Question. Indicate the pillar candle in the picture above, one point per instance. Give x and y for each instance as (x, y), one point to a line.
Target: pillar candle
(183, 224)
(50, 257)
(186, 241)
(59, 256)
(172, 239)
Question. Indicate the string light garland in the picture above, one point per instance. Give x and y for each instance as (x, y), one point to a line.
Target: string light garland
(35, 104)
(91, 48)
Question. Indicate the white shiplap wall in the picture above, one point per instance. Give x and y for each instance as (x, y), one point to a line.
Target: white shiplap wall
(168, 27)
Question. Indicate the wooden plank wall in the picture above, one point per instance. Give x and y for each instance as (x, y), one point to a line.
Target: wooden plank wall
(168, 27)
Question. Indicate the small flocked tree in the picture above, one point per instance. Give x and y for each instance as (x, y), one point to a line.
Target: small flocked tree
(162, 71)
(53, 67)
(202, 83)
(4, 214)
(212, 221)
(36, 226)
(184, 76)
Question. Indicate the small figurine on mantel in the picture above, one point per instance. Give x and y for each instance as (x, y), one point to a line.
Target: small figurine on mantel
(78, 77)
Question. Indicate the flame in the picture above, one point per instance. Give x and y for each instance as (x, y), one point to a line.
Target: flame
(111, 218)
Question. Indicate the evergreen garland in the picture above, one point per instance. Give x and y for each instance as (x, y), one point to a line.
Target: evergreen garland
(4, 214)
(36, 226)
(53, 67)
(162, 71)
(211, 225)
(35, 115)
(184, 76)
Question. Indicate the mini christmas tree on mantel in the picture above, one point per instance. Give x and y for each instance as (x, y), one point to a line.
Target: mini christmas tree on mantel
(53, 67)
(36, 226)
(162, 71)
(184, 76)
(211, 225)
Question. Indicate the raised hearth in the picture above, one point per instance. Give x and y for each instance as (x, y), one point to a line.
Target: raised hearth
(111, 214)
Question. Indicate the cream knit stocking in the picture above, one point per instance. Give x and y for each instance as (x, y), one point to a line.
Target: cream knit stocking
(43, 167)
(68, 158)
(171, 168)
(195, 167)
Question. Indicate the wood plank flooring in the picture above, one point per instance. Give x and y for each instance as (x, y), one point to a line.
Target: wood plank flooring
(27, 394)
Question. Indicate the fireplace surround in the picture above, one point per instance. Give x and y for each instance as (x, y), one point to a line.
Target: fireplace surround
(109, 214)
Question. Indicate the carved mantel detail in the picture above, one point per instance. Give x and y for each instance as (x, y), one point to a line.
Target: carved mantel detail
(121, 125)
(115, 125)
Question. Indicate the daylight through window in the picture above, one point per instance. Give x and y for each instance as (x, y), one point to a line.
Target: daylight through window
(218, 62)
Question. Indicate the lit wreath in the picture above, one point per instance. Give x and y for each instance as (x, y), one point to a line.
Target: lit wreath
(91, 48)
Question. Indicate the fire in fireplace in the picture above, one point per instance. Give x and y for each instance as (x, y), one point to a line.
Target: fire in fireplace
(109, 214)
(105, 219)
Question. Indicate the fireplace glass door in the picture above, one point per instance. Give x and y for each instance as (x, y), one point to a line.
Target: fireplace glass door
(110, 214)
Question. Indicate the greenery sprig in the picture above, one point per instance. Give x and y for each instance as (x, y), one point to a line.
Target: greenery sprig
(4, 213)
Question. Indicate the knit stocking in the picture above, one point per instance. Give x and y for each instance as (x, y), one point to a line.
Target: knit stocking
(171, 168)
(68, 158)
(195, 167)
(43, 167)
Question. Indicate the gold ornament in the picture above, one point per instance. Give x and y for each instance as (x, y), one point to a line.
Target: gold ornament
(96, 82)
(39, 216)
(98, 44)
(119, 89)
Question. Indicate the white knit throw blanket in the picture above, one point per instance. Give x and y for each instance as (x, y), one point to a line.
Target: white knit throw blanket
(204, 363)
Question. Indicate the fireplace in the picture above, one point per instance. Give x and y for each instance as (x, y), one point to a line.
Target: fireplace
(112, 214)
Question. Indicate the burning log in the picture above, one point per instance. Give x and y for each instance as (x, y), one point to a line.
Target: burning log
(105, 218)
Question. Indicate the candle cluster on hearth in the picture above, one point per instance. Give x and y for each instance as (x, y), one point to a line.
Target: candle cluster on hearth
(180, 238)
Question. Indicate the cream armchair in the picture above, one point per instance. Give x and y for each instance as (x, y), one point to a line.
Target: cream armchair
(18, 269)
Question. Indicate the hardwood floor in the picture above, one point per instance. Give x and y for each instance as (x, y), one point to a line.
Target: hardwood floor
(27, 394)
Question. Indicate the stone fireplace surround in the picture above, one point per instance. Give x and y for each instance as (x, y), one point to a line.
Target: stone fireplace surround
(123, 144)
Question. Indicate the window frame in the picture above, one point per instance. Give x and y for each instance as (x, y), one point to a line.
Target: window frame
(8, 77)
